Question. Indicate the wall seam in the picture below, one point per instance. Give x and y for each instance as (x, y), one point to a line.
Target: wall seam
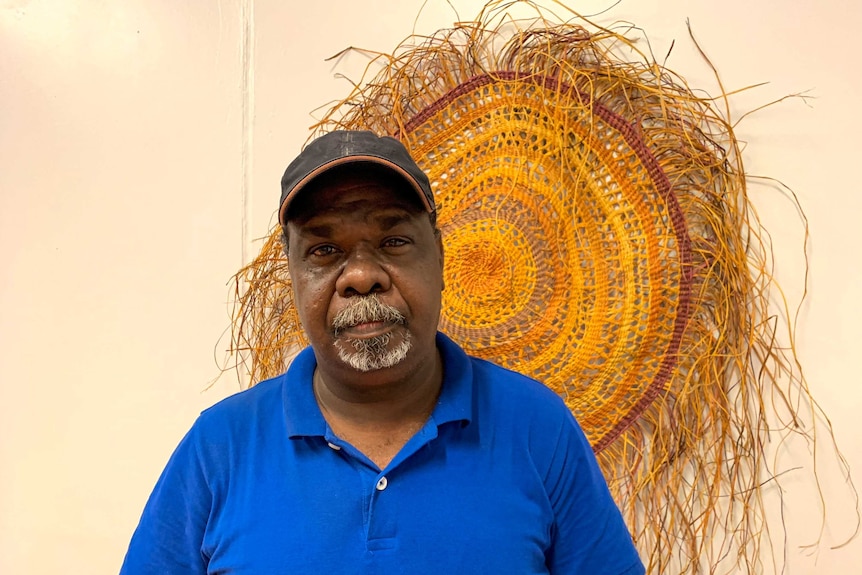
(247, 61)
(247, 89)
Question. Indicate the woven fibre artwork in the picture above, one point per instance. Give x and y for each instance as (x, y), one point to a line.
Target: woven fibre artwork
(561, 232)
(599, 238)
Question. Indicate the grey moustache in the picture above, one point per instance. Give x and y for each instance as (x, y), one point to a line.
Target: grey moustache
(363, 309)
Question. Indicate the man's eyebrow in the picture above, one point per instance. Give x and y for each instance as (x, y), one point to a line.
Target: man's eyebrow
(388, 221)
(319, 230)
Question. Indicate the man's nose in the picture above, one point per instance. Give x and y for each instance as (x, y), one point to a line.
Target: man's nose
(362, 274)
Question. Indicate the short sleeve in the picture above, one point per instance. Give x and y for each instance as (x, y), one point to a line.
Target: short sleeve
(590, 536)
(169, 536)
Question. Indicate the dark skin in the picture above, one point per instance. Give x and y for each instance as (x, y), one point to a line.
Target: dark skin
(355, 233)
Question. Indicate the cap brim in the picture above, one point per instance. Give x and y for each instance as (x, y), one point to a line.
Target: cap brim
(320, 170)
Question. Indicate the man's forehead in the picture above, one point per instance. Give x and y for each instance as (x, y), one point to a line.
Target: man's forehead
(355, 193)
(383, 216)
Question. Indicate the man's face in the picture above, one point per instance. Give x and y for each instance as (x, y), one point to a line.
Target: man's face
(366, 267)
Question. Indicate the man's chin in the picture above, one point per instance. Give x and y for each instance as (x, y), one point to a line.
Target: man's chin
(375, 353)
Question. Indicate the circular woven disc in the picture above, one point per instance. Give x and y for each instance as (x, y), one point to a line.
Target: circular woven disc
(565, 248)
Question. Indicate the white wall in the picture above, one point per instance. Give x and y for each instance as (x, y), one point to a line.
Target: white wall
(130, 189)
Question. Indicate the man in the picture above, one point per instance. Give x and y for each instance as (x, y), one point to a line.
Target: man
(383, 448)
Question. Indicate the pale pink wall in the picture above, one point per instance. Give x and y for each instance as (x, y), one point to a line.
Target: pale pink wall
(119, 202)
(133, 180)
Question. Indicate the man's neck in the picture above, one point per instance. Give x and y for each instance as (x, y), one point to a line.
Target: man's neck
(381, 397)
(377, 418)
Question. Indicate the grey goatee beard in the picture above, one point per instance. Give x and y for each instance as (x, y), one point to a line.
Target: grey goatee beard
(369, 354)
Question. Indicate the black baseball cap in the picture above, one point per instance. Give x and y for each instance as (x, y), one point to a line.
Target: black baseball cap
(343, 147)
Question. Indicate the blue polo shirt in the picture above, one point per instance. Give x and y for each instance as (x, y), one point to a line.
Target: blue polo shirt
(500, 480)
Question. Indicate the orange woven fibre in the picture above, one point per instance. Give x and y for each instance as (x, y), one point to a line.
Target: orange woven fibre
(561, 236)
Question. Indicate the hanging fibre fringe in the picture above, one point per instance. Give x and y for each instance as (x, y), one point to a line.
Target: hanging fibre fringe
(599, 238)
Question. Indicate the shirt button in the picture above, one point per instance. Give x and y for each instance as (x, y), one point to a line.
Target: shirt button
(381, 485)
(333, 446)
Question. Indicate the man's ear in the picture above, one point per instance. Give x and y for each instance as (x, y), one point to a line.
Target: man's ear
(441, 255)
(285, 239)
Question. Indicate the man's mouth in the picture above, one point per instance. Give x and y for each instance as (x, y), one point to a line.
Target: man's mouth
(367, 329)
(365, 317)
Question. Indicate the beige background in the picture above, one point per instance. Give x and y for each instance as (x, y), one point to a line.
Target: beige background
(141, 144)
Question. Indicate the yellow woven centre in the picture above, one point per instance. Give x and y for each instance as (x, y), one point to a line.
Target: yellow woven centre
(489, 261)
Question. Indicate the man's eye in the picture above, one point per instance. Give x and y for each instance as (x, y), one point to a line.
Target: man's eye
(395, 242)
(322, 251)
